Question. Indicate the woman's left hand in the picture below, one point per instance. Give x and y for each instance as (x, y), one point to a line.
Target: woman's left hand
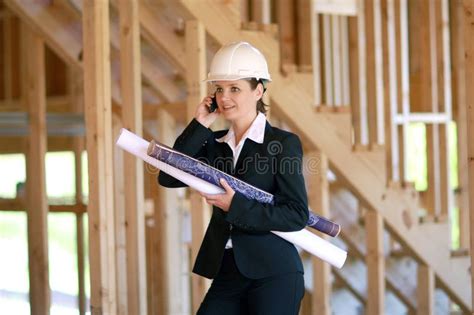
(221, 200)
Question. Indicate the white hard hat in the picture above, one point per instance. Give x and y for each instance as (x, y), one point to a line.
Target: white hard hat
(238, 60)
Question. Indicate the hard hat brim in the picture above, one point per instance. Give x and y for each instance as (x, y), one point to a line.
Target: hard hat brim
(215, 77)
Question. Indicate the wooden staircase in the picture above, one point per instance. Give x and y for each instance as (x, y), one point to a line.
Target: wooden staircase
(362, 172)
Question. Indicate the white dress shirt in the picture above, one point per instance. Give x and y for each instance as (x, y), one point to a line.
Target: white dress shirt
(256, 133)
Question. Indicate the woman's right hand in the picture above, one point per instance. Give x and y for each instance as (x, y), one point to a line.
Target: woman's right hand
(202, 114)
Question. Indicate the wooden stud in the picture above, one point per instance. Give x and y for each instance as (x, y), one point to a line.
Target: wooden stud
(328, 60)
(469, 55)
(390, 90)
(374, 73)
(362, 110)
(98, 114)
(355, 93)
(336, 57)
(76, 102)
(133, 167)
(403, 91)
(81, 302)
(260, 11)
(316, 56)
(318, 199)
(120, 221)
(303, 35)
(459, 103)
(37, 204)
(443, 63)
(344, 42)
(7, 58)
(170, 229)
(286, 21)
(425, 289)
(245, 11)
(196, 58)
(375, 261)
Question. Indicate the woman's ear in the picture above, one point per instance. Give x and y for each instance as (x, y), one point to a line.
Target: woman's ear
(259, 91)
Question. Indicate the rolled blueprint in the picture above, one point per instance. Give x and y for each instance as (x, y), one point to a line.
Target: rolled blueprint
(212, 175)
(304, 239)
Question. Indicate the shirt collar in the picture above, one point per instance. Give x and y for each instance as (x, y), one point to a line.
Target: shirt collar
(256, 131)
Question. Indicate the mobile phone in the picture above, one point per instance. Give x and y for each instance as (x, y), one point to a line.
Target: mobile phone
(213, 106)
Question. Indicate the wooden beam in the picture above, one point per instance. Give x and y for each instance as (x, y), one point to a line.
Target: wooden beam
(161, 36)
(443, 63)
(120, 221)
(7, 58)
(344, 42)
(459, 109)
(50, 22)
(336, 56)
(316, 57)
(328, 60)
(425, 290)
(76, 102)
(169, 232)
(390, 55)
(196, 59)
(98, 114)
(318, 199)
(403, 90)
(287, 33)
(374, 72)
(133, 167)
(260, 11)
(375, 261)
(37, 206)
(303, 34)
(355, 91)
(469, 55)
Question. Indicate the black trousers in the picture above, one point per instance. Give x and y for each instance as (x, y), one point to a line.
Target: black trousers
(231, 293)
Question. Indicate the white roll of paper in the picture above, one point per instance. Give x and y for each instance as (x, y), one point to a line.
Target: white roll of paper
(304, 239)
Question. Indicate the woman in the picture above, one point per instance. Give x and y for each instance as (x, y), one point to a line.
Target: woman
(254, 271)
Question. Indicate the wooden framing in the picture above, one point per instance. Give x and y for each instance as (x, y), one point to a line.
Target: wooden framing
(390, 55)
(133, 167)
(328, 60)
(196, 59)
(318, 199)
(98, 114)
(286, 19)
(120, 222)
(469, 53)
(459, 111)
(425, 290)
(393, 203)
(37, 205)
(316, 56)
(7, 58)
(375, 261)
(76, 98)
(303, 34)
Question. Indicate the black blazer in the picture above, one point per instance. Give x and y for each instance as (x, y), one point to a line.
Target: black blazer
(274, 166)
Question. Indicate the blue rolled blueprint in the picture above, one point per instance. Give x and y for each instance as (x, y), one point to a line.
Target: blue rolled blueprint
(212, 175)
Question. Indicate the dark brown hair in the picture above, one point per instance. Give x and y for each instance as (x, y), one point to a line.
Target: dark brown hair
(261, 106)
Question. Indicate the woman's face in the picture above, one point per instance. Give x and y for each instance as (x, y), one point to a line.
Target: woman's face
(237, 100)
